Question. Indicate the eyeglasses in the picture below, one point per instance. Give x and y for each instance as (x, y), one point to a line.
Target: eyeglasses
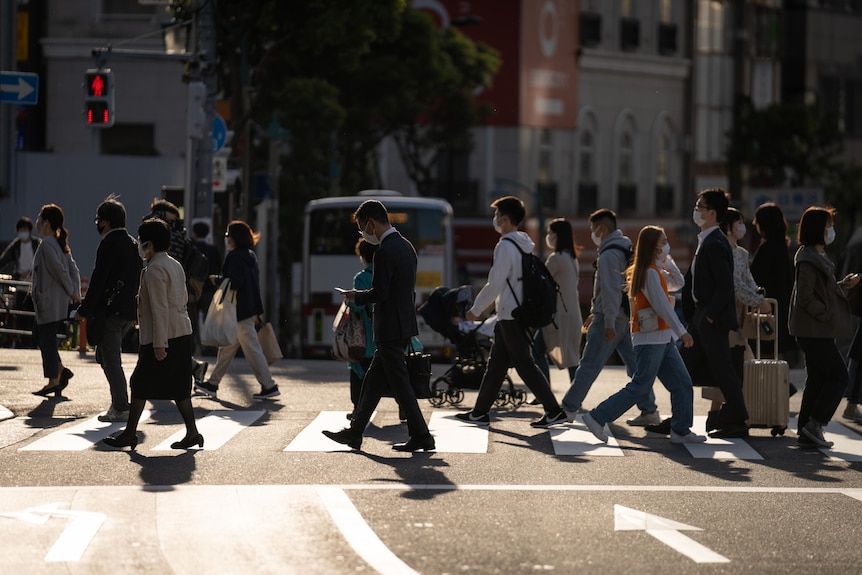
(700, 207)
(97, 220)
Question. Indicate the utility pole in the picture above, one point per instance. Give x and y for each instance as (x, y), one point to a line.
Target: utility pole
(8, 61)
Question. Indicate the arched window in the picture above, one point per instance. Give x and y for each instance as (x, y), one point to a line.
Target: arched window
(663, 167)
(587, 191)
(627, 190)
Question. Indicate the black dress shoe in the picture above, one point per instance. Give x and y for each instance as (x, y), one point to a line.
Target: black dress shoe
(120, 441)
(662, 428)
(189, 442)
(713, 421)
(345, 437)
(733, 431)
(416, 443)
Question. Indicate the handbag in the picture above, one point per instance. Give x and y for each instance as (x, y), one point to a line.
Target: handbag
(419, 369)
(647, 319)
(219, 327)
(767, 324)
(269, 343)
(348, 339)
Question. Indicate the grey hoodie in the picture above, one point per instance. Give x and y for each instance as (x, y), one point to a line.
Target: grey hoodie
(610, 277)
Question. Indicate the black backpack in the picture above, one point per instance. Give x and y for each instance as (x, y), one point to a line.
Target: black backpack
(197, 270)
(539, 305)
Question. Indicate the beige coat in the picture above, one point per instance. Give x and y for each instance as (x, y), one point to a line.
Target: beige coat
(162, 297)
(564, 340)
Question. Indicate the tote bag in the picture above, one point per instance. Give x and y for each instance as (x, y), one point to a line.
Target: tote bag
(269, 343)
(219, 327)
(348, 338)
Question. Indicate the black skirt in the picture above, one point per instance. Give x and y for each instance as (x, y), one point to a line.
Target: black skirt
(170, 378)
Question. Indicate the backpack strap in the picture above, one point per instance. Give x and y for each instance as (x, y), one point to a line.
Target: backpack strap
(522, 266)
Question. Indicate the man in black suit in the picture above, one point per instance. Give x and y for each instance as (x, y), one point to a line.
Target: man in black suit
(113, 291)
(392, 293)
(709, 298)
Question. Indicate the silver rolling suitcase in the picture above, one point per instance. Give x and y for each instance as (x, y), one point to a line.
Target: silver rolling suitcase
(766, 387)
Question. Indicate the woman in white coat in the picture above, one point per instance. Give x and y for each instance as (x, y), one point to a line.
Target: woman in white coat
(56, 283)
(562, 343)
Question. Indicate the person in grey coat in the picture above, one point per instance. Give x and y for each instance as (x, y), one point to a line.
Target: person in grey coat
(56, 283)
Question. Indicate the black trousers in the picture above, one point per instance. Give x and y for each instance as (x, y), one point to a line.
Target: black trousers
(46, 337)
(388, 374)
(711, 350)
(825, 382)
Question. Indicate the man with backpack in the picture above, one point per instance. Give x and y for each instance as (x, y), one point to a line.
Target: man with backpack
(512, 343)
(608, 323)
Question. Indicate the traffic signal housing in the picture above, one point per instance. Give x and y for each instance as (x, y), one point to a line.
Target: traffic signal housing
(99, 97)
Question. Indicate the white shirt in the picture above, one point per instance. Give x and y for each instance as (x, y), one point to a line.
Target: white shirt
(25, 258)
(658, 299)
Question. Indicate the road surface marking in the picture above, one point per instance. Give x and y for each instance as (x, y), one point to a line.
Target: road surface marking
(451, 435)
(311, 438)
(719, 448)
(667, 531)
(72, 543)
(81, 436)
(217, 427)
(359, 534)
(578, 440)
(847, 445)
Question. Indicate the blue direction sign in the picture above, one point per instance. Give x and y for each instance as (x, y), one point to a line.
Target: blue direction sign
(19, 88)
(219, 133)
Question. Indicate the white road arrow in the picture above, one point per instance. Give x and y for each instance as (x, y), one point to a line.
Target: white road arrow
(667, 531)
(72, 543)
(23, 89)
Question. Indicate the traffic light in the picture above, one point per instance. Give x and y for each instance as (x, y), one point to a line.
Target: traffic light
(99, 98)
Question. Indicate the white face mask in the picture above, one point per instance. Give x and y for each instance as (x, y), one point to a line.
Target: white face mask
(142, 252)
(697, 218)
(830, 235)
(24, 236)
(665, 251)
(497, 227)
(739, 230)
(551, 241)
(596, 239)
(370, 238)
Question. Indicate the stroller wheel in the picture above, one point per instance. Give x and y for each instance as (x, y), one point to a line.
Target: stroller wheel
(439, 392)
(502, 399)
(519, 397)
(456, 395)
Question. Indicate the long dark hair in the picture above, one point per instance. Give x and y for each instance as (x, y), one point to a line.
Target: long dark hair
(647, 244)
(565, 238)
(53, 214)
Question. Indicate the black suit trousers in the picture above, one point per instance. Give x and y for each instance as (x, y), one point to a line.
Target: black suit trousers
(388, 373)
(712, 349)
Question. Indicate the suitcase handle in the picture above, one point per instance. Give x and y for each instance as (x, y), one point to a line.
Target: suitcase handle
(758, 315)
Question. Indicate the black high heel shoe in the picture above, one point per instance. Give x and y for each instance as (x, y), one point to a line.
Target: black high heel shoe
(65, 376)
(120, 441)
(189, 442)
(46, 391)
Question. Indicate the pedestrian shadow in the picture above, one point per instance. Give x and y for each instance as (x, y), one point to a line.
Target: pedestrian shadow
(417, 472)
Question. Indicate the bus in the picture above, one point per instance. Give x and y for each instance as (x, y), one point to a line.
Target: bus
(329, 260)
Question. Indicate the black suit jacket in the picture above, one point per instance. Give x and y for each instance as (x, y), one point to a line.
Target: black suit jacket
(116, 259)
(713, 282)
(393, 290)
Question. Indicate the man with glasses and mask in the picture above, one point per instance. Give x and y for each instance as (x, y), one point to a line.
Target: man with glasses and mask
(710, 305)
(392, 292)
(112, 291)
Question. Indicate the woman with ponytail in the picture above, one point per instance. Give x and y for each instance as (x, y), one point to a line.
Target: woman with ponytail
(56, 283)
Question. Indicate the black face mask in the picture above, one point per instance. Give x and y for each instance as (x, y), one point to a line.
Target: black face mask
(100, 228)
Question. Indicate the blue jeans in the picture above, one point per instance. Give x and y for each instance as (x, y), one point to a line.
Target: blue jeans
(109, 356)
(597, 350)
(664, 362)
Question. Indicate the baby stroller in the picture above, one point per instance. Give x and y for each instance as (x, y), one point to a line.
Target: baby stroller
(444, 312)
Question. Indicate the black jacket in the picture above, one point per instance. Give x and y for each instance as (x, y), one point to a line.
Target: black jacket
(240, 265)
(117, 259)
(11, 253)
(713, 282)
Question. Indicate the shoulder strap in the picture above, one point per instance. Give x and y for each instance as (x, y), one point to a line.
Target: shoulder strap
(523, 253)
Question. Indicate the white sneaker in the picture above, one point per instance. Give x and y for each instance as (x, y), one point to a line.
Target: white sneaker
(571, 415)
(595, 428)
(645, 418)
(689, 437)
(113, 416)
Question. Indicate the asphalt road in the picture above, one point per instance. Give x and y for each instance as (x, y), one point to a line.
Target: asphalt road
(246, 504)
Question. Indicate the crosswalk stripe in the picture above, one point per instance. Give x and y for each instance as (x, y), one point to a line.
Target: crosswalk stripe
(217, 427)
(311, 438)
(847, 445)
(576, 439)
(451, 435)
(81, 436)
(719, 448)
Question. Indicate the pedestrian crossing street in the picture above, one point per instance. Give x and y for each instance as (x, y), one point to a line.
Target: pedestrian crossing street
(451, 434)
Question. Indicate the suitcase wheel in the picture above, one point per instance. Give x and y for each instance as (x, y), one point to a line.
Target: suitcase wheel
(778, 431)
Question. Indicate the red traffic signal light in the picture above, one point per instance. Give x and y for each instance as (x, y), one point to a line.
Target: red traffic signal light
(99, 98)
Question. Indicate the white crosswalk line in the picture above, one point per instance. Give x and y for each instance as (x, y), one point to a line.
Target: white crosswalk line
(719, 448)
(311, 438)
(576, 439)
(81, 436)
(451, 435)
(847, 445)
(217, 427)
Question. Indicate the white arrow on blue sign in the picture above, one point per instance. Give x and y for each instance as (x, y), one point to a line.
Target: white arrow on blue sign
(19, 88)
